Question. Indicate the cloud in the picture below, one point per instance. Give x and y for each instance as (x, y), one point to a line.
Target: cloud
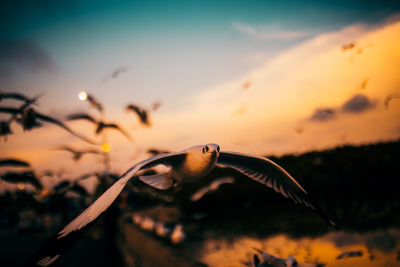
(357, 104)
(323, 114)
(24, 55)
(268, 32)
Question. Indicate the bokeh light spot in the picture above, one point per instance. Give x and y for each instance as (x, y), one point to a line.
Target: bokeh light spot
(82, 95)
(106, 147)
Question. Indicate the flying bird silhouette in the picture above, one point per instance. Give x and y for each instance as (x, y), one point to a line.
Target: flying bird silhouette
(13, 163)
(30, 118)
(142, 114)
(268, 260)
(185, 167)
(77, 154)
(101, 125)
(5, 129)
(66, 185)
(349, 254)
(389, 97)
(24, 177)
(18, 96)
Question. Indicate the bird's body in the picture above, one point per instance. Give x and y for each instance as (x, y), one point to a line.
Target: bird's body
(198, 163)
(185, 167)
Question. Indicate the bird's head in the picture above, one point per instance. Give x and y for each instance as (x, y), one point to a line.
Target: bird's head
(211, 150)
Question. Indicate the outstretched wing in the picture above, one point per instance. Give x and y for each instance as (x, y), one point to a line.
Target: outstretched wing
(64, 126)
(71, 233)
(272, 175)
(117, 127)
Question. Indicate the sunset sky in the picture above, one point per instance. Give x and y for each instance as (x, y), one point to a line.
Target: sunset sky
(261, 77)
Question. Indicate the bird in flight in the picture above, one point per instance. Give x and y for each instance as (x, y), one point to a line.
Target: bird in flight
(77, 154)
(101, 125)
(140, 112)
(186, 166)
(29, 118)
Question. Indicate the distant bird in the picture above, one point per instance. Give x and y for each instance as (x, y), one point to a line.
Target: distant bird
(156, 105)
(246, 85)
(77, 154)
(22, 177)
(348, 46)
(185, 167)
(142, 114)
(29, 118)
(13, 163)
(364, 84)
(213, 186)
(5, 130)
(94, 103)
(389, 97)
(18, 96)
(349, 254)
(268, 260)
(66, 185)
(100, 125)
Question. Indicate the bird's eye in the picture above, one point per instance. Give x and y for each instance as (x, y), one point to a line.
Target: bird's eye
(207, 148)
(204, 150)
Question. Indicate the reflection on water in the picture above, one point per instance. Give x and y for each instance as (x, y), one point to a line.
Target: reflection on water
(378, 248)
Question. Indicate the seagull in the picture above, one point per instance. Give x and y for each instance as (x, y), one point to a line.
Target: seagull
(77, 154)
(18, 96)
(14, 162)
(349, 254)
(140, 112)
(186, 166)
(30, 118)
(388, 98)
(22, 177)
(268, 260)
(101, 125)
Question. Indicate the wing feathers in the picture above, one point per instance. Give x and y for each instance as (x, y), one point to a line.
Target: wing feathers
(272, 175)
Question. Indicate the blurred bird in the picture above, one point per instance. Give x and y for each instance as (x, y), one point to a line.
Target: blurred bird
(156, 105)
(29, 118)
(246, 85)
(5, 129)
(389, 97)
(94, 103)
(268, 260)
(101, 125)
(140, 112)
(348, 46)
(77, 154)
(22, 177)
(66, 185)
(13, 163)
(185, 167)
(349, 254)
(20, 97)
(213, 186)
